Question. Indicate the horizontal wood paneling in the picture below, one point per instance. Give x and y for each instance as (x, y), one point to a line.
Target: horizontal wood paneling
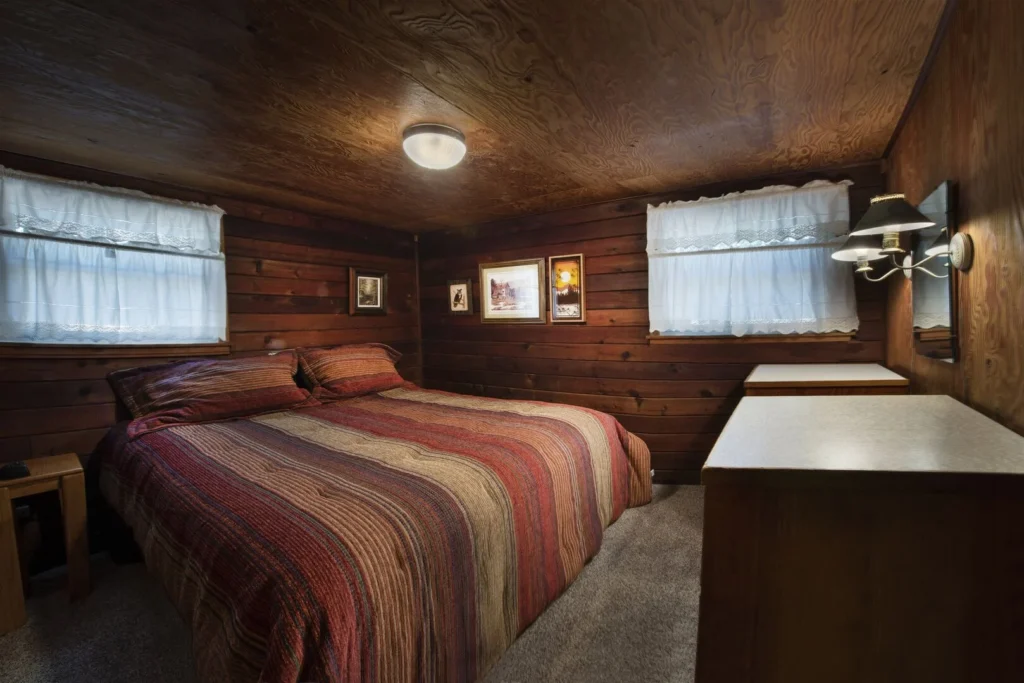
(966, 127)
(287, 287)
(675, 396)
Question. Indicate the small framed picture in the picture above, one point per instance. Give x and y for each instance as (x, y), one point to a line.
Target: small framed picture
(460, 297)
(367, 292)
(568, 296)
(513, 292)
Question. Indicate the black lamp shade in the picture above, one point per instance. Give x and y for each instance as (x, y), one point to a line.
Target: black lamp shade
(859, 248)
(890, 213)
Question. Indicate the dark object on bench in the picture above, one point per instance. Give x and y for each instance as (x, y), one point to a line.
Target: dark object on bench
(13, 470)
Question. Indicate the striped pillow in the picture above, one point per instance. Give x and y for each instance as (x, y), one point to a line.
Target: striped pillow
(347, 371)
(160, 396)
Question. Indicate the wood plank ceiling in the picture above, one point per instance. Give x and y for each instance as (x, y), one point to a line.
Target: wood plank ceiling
(301, 103)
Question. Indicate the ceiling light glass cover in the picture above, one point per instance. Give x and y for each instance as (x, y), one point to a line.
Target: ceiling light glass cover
(433, 145)
(888, 214)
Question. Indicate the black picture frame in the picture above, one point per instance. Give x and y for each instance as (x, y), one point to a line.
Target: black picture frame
(465, 287)
(360, 299)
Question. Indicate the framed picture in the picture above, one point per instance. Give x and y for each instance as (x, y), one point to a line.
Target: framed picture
(513, 292)
(367, 292)
(568, 297)
(460, 297)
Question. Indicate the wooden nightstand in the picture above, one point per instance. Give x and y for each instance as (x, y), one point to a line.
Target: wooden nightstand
(54, 473)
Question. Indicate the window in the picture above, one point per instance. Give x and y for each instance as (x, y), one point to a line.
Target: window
(83, 264)
(751, 263)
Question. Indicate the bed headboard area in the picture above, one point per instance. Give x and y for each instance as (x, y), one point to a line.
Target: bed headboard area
(287, 284)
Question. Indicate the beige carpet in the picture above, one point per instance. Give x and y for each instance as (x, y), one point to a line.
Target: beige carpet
(630, 616)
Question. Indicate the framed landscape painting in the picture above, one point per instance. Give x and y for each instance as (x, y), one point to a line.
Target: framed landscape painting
(513, 292)
(460, 297)
(367, 292)
(568, 297)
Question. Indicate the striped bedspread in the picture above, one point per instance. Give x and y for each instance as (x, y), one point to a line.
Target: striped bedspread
(409, 535)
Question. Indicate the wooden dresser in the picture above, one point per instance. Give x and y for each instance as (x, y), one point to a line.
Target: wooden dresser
(859, 539)
(824, 379)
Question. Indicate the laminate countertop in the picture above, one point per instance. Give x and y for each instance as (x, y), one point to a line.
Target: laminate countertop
(901, 435)
(862, 538)
(824, 374)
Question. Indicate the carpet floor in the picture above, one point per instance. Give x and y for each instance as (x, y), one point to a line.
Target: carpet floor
(630, 616)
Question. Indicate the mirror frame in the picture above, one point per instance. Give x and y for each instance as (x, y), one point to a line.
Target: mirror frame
(952, 228)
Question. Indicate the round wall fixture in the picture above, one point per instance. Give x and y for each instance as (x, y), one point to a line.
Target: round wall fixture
(961, 251)
(433, 145)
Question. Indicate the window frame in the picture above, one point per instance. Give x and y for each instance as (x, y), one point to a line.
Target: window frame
(781, 337)
(45, 350)
(42, 351)
(759, 337)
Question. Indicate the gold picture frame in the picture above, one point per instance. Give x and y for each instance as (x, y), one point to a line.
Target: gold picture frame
(513, 292)
(567, 289)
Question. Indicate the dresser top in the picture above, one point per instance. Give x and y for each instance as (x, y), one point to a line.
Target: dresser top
(824, 375)
(867, 434)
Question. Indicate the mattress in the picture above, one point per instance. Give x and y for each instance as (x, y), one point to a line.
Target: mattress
(408, 535)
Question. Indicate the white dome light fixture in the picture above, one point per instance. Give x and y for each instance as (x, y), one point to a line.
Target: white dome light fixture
(433, 145)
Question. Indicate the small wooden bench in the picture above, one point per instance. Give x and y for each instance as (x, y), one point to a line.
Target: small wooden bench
(61, 473)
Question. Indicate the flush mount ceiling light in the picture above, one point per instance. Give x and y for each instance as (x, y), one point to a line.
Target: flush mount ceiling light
(433, 145)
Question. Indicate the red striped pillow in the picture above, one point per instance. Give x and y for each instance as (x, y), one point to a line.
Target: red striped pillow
(347, 371)
(160, 396)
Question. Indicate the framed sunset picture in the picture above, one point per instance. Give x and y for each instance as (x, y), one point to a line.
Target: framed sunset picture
(568, 296)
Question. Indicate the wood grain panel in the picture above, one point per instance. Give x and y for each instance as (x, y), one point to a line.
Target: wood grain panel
(563, 103)
(287, 287)
(12, 603)
(636, 388)
(866, 582)
(614, 369)
(965, 127)
(677, 396)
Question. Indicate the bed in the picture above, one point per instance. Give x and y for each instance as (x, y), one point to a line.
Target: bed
(400, 535)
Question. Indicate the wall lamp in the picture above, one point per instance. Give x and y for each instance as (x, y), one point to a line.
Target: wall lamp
(877, 235)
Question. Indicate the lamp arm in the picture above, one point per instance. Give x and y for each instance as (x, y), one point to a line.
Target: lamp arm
(915, 265)
(879, 279)
(929, 272)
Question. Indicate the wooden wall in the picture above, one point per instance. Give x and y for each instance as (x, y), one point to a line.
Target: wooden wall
(287, 287)
(968, 126)
(676, 396)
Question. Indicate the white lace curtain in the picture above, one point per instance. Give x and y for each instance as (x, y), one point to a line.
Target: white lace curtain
(84, 264)
(931, 297)
(754, 262)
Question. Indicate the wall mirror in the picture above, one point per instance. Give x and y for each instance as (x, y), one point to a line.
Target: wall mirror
(934, 298)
